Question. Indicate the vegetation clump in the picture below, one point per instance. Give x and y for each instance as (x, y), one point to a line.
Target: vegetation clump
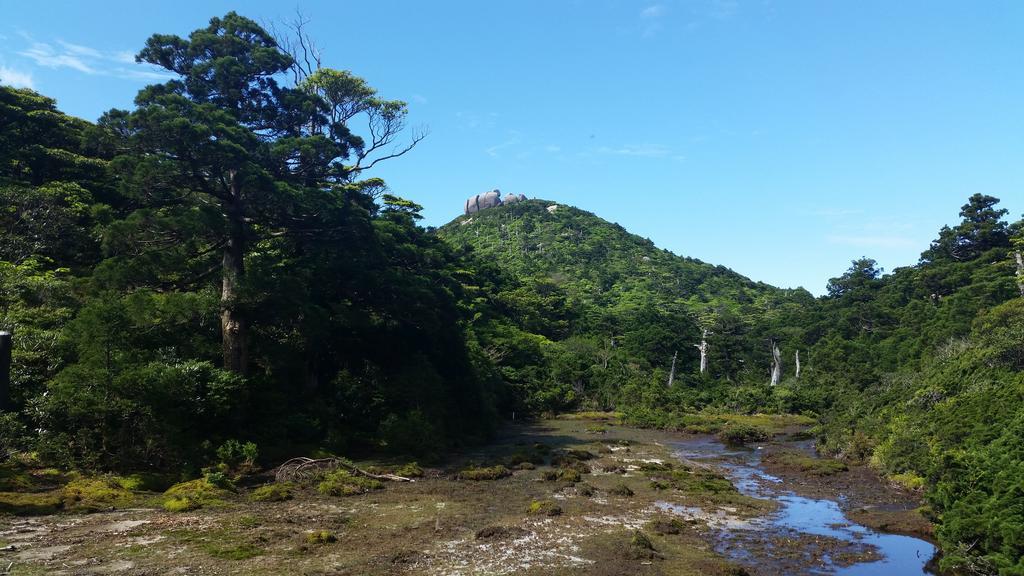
(344, 483)
(570, 475)
(320, 538)
(544, 507)
(94, 495)
(641, 547)
(496, 472)
(621, 489)
(277, 492)
(195, 494)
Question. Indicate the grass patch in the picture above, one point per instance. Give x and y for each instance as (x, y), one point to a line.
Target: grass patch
(343, 483)
(808, 464)
(30, 503)
(481, 473)
(233, 552)
(685, 479)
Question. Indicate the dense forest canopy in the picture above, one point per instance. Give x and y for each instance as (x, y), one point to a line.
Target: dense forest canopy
(217, 265)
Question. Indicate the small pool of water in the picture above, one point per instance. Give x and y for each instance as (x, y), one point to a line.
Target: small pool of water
(893, 554)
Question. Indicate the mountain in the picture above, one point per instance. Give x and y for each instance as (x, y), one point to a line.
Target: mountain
(591, 290)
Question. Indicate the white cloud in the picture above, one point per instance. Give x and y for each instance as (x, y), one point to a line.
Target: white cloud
(552, 148)
(654, 11)
(79, 50)
(15, 78)
(45, 55)
(88, 60)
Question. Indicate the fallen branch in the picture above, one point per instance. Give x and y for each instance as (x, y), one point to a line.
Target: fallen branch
(303, 468)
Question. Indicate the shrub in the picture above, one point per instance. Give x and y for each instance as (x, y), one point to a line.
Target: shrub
(273, 492)
(492, 473)
(344, 483)
(236, 454)
(738, 433)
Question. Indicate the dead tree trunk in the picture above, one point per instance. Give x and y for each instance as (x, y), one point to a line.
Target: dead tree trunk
(672, 373)
(1020, 271)
(796, 360)
(703, 347)
(776, 363)
(234, 332)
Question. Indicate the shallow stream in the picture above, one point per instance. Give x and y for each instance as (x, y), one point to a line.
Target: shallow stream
(804, 535)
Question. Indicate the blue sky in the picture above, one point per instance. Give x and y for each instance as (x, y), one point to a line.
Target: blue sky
(781, 139)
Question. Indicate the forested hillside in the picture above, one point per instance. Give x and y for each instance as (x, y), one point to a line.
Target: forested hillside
(217, 270)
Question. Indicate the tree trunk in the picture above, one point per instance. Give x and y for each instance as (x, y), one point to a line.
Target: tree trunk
(234, 331)
(703, 347)
(776, 363)
(1020, 271)
(797, 364)
(672, 373)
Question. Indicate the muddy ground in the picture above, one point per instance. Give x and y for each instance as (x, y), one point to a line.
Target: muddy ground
(437, 525)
